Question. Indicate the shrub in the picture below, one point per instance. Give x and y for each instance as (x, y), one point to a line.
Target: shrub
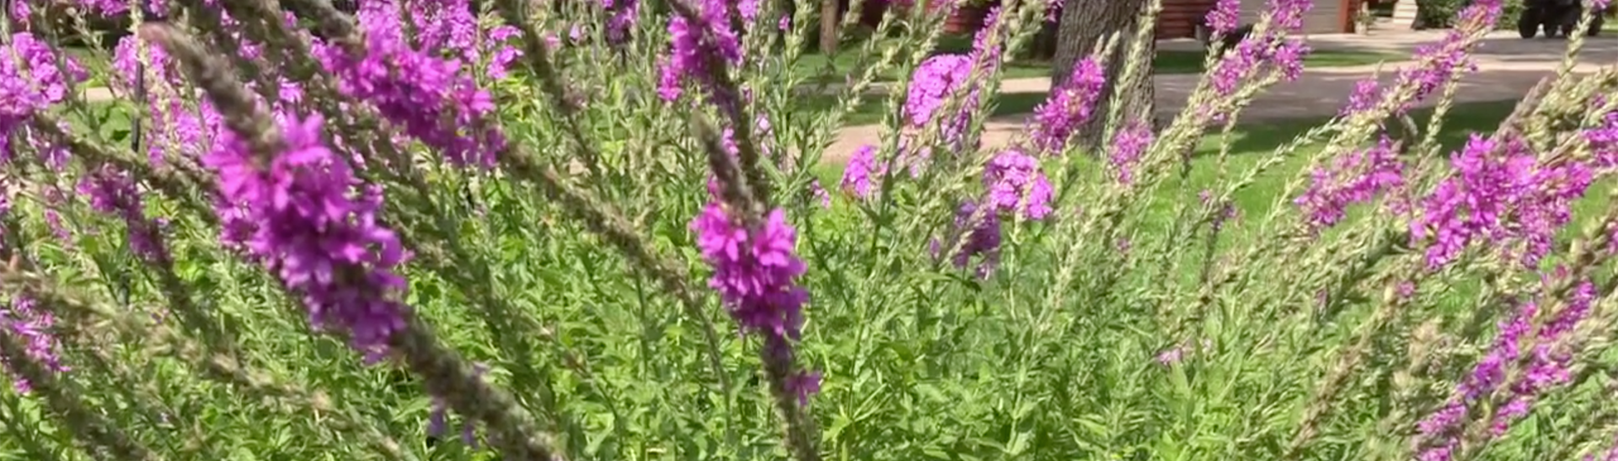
(1440, 14)
(607, 232)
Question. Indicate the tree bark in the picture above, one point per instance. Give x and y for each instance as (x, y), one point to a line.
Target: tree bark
(828, 27)
(1085, 27)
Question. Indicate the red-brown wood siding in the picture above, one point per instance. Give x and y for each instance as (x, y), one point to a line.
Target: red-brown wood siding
(1346, 16)
(1179, 17)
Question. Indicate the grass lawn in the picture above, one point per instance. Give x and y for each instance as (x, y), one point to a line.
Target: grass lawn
(870, 109)
(813, 66)
(1253, 142)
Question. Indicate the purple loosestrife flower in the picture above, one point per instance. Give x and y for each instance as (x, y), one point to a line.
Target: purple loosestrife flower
(1225, 17)
(1253, 56)
(820, 193)
(1545, 367)
(755, 270)
(1354, 178)
(1603, 138)
(503, 52)
(1015, 184)
(174, 126)
(1437, 62)
(931, 85)
(447, 28)
(53, 219)
(1499, 193)
(622, 21)
(858, 173)
(1128, 144)
(1270, 50)
(1288, 14)
(20, 12)
(930, 88)
(316, 228)
(31, 81)
(1069, 107)
(981, 238)
(755, 273)
(748, 10)
(433, 102)
(22, 319)
(981, 52)
(1438, 433)
(696, 44)
(114, 192)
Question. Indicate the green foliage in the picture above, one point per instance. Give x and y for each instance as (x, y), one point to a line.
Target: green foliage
(1440, 14)
(1509, 12)
(1290, 342)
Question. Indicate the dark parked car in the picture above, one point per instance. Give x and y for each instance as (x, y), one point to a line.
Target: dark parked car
(1555, 17)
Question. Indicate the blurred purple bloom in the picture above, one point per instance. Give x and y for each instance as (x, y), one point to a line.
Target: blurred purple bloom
(1069, 107)
(1015, 184)
(24, 321)
(315, 225)
(1352, 179)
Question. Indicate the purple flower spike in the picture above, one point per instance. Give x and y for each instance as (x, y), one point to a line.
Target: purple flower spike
(314, 224)
(1016, 185)
(755, 272)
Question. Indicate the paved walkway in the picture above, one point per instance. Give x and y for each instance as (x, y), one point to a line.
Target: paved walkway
(1508, 68)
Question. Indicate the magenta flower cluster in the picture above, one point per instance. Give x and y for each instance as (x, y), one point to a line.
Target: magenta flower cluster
(172, 126)
(113, 192)
(1439, 62)
(1357, 177)
(32, 80)
(697, 44)
(1499, 193)
(1128, 145)
(1543, 367)
(622, 20)
(930, 86)
(23, 320)
(756, 270)
(857, 174)
(1224, 17)
(1603, 138)
(434, 102)
(978, 234)
(1014, 184)
(1068, 108)
(315, 226)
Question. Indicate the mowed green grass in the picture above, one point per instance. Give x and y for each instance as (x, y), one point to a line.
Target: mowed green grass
(1254, 143)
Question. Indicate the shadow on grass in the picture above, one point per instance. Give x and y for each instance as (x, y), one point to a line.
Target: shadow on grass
(1461, 122)
(871, 110)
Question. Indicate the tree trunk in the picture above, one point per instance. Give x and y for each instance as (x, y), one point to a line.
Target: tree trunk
(828, 27)
(1085, 26)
